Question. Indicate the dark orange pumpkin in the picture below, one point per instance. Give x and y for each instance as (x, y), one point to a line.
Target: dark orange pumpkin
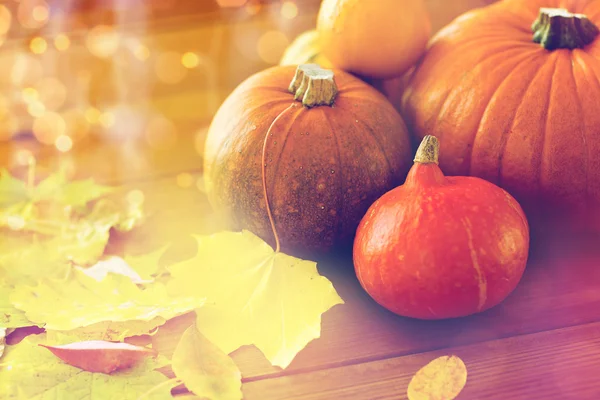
(512, 91)
(320, 162)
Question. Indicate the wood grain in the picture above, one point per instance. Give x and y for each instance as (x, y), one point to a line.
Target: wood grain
(559, 364)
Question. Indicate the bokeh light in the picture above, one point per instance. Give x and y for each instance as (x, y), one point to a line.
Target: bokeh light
(103, 41)
(38, 45)
(25, 71)
(271, 46)
(190, 60)
(33, 14)
(135, 197)
(48, 127)
(63, 143)
(62, 42)
(40, 12)
(92, 115)
(5, 19)
(36, 108)
(289, 10)
(107, 119)
(8, 125)
(168, 68)
(141, 52)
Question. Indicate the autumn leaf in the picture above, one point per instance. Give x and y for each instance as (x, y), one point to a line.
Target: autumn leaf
(205, 369)
(115, 265)
(254, 295)
(10, 317)
(114, 330)
(81, 301)
(28, 371)
(441, 379)
(2, 340)
(100, 355)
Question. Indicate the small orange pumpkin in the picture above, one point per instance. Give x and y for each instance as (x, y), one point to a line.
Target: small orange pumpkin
(512, 92)
(305, 49)
(374, 38)
(301, 174)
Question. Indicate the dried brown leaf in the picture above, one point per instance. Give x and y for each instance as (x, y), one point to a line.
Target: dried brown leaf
(442, 379)
(99, 355)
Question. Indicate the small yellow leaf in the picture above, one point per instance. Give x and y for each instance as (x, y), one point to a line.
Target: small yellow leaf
(114, 331)
(254, 295)
(442, 379)
(205, 369)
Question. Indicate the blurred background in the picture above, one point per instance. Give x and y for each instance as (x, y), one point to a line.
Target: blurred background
(141, 77)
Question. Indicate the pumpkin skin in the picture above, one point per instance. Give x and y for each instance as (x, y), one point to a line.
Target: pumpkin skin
(325, 165)
(441, 247)
(507, 110)
(305, 49)
(377, 39)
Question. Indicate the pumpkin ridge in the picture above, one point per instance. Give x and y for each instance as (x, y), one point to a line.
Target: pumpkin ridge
(543, 140)
(340, 175)
(506, 136)
(524, 58)
(442, 104)
(264, 176)
(275, 166)
(586, 151)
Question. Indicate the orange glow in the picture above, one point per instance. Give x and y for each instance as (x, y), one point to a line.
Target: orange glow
(29, 94)
(25, 70)
(51, 92)
(141, 52)
(49, 127)
(169, 69)
(92, 115)
(77, 125)
(8, 126)
(271, 46)
(33, 14)
(107, 119)
(36, 108)
(185, 180)
(103, 41)
(161, 132)
(5, 19)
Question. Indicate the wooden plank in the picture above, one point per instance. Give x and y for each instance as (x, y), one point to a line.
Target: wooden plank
(560, 364)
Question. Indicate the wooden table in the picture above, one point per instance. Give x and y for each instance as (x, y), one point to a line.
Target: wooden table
(146, 118)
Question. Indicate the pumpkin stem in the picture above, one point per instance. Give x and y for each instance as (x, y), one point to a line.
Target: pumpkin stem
(314, 85)
(428, 151)
(557, 28)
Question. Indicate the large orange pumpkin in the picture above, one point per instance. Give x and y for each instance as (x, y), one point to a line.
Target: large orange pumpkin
(319, 145)
(512, 91)
(374, 38)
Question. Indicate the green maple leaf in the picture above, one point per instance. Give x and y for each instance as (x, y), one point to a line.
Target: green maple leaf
(29, 371)
(81, 301)
(254, 295)
(10, 317)
(205, 369)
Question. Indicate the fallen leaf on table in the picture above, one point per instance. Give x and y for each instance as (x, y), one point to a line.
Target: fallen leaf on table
(10, 317)
(99, 355)
(205, 369)
(254, 295)
(441, 379)
(114, 331)
(115, 265)
(29, 371)
(3, 336)
(82, 301)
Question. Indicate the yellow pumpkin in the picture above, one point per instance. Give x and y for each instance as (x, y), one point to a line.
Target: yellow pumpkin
(305, 49)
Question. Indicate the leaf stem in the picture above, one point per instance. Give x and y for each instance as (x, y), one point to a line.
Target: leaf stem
(264, 176)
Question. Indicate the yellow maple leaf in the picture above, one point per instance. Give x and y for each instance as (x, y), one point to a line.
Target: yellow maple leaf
(205, 369)
(254, 295)
(10, 317)
(81, 301)
(441, 379)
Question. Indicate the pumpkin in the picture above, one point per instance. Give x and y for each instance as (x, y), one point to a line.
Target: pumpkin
(377, 39)
(297, 155)
(512, 92)
(441, 246)
(305, 49)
